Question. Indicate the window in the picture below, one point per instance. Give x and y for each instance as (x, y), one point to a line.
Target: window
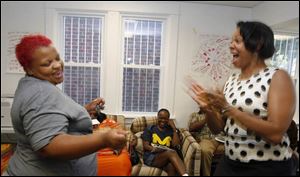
(142, 43)
(82, 37)
(122, 53)
(287, 53)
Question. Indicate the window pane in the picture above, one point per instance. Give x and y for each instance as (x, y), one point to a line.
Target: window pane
(82, 46)
(142, 42)
(142, 47)
(82, 83)
(140, 89)
(82, 39)
(286, 53)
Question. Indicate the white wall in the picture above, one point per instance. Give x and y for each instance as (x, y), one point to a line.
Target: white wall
(205, 19)
(17, 17)
(275, 12)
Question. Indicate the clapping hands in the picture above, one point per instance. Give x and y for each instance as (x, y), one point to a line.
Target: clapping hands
(207, 100)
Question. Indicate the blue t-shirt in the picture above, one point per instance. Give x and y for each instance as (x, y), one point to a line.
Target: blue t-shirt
(155, 136)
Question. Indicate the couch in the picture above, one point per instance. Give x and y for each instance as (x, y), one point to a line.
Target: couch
(190, 149)
(118, 118)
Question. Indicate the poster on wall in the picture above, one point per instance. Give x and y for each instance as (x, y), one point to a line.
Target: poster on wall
(211, 63)
(13, 64)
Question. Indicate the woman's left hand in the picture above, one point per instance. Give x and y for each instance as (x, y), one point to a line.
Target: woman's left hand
(91, 107)
(202, 97)
(208, 100)
(217, 99)
(172, 124)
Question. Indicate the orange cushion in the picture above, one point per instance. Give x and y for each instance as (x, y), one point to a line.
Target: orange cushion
(7, 151)
(110, 164)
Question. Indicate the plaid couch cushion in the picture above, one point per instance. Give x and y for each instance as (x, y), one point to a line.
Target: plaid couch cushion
(143, 170)
(140, 123)
(191, 152)
(139, 147)
(118, 118)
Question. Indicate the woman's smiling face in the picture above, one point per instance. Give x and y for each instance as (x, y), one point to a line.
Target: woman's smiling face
(163, 119)
(241, 57)
(46, 65)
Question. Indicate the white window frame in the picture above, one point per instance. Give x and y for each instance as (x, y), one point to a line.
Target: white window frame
(296, 115)
(167, 67)
(294, 35)
(161, 67)
(58, 14)
(92, 65)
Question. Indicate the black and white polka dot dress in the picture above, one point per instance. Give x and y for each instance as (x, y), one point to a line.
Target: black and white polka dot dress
(251, 96)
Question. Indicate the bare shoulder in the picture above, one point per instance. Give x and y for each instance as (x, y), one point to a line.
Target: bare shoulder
(282, 77)
(282, 83)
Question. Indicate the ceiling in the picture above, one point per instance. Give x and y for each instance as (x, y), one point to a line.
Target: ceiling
(246, 4)
(288, 26)
(291, 26)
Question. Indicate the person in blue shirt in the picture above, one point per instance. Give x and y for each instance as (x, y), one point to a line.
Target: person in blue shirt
(158, 141)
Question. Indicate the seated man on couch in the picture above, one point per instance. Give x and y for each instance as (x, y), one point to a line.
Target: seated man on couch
(158, 141)
(209, 145)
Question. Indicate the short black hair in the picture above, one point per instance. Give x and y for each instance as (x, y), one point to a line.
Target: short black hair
(258, 37)
(164, 110)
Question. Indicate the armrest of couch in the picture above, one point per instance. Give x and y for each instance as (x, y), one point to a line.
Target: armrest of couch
(118, 118)
(191, 152)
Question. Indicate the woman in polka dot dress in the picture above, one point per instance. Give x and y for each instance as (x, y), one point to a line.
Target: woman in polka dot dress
(255, 109)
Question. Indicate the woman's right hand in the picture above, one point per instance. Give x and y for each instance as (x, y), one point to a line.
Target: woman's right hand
(199, 94)
(114, 138)
(91, 107)
(208, 101)
(157, 150)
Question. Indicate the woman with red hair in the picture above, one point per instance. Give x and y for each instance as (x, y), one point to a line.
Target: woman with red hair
(54, 133)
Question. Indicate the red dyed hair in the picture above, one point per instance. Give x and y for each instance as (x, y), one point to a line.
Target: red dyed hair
(27, 45)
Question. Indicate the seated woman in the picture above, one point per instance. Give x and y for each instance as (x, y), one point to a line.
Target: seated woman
(158, 141)
(109, 159)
